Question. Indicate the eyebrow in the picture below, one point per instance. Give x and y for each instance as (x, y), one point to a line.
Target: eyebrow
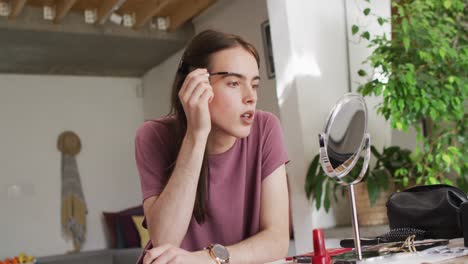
(227, 74)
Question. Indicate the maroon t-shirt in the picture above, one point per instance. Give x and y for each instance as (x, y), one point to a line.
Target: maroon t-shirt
(235, 177)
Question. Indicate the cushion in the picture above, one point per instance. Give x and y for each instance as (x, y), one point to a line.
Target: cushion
(142, 231)
(129, 231)
(115, 236)
(121, 229)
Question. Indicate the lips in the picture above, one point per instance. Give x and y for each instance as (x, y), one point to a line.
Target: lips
(248, 116)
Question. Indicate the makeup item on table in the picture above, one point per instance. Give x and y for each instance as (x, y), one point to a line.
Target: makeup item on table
(394, 235)
(321, 255)
(302, 259)
(331, 252)
(386, 252)
(409, 245)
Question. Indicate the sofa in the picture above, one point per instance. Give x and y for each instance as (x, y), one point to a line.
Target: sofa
(105, 256)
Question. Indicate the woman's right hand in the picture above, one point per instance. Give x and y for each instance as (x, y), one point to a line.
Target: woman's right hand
(195, 95)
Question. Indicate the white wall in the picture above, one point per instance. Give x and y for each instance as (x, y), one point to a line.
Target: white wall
(242, 17)
(381, 133)
(157, 84)
(309, 44)
(105, 113)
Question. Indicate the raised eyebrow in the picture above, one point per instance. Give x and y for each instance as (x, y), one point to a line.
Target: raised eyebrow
(227, 74)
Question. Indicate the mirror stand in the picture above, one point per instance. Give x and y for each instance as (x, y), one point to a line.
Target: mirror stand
(327, 167)
(357, 236)
(352, 198)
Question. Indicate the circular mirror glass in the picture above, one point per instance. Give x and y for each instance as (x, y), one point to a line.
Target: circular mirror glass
(344, 138)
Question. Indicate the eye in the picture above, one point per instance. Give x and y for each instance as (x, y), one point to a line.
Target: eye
(233, 84)
(255, 86)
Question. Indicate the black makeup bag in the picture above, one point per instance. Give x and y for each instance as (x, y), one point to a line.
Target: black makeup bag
(435, 209)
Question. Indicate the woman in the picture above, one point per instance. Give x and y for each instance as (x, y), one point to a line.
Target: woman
(213, 171)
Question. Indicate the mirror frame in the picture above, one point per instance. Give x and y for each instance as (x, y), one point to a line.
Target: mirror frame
(363, 146)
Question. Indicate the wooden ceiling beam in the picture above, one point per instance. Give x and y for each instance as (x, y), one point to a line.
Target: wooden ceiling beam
(62, 8)
(106, 8)
(16, 8)
(188, 10)
(150, 8)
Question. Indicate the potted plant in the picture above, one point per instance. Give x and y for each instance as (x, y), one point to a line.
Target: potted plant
(322, 189)
(423, 73)
(424, 65)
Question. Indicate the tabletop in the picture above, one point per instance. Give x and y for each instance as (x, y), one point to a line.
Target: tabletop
(423, 257)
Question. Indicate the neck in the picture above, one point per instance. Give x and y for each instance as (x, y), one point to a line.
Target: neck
(219, 141)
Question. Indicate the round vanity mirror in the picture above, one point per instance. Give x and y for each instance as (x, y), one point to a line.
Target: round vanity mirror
(344, 139)
(343, 143)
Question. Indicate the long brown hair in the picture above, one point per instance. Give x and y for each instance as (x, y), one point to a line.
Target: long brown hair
(198, 55)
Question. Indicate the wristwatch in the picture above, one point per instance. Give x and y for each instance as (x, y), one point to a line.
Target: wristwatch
(219, 253)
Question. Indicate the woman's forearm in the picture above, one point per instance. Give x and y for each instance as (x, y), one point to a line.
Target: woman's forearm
(266, 246)
(170, 214)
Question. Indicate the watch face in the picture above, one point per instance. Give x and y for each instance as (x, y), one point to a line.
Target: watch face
(220, 252)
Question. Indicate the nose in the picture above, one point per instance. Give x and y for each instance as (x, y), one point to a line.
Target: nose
(250, 95)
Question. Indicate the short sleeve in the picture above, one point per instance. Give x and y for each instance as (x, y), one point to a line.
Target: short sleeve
(274, 152)
(152, 157)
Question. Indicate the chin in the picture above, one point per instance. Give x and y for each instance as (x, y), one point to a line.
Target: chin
(241, 133)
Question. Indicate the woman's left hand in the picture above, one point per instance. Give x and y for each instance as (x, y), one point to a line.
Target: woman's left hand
(169, 254)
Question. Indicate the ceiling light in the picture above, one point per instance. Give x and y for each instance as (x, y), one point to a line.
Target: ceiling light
(163, 23)
(4, 8)
(49, 12)
(128, 20)
(116, 18)
(90, 16)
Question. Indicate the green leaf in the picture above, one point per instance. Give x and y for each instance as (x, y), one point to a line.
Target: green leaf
(453, 150)
(381, 21)
(362, 72)
(418, 180)
(354, 29)
(433, 113)
(442, 53)
(312, 177)
(417, 105)
(405, 181)
(448, 182)
(366, 11)
(326, 199)
(447, 4)
(381, 178)
(449, 87)
(366, 35)
(431, 180)
(447, 159)
(372, 190)
(399, 125)
(401, 11)
(404, 25)
(318, 196)
(401, 104)
(406, 43)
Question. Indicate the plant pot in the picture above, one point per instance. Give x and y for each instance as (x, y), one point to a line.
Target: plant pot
(375, 215)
